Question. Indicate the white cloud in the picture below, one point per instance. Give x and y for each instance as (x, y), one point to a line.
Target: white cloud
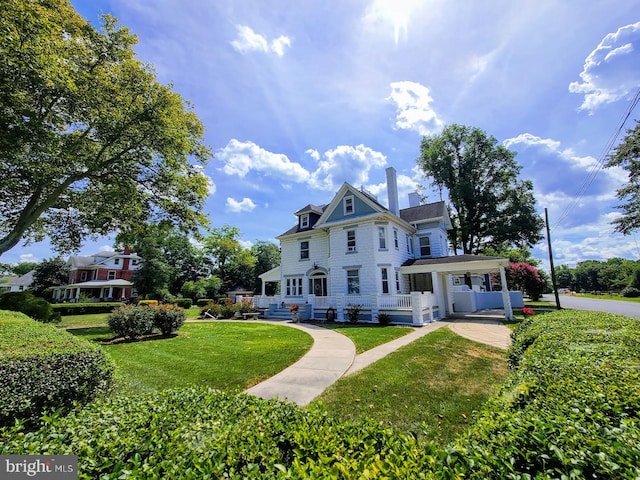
(241, 157)
(553, 146)
(611, 70)
(28, 257)
(313, 153)
(414, 111)
(250, 41)
(395, 13)
(277, 45)
(244, 205)
(346, 164)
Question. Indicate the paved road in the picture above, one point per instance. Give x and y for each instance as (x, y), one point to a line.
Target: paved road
(629, 309)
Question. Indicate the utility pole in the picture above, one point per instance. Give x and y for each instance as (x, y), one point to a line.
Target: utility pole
(553, 272)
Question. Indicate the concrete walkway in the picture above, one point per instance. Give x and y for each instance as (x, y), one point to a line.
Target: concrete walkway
(333, 355)
(328, 359)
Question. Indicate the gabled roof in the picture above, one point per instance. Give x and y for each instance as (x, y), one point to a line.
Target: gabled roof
(311, 209)
(24, 280)
(81, 261)
(427, 212)
(336, 202)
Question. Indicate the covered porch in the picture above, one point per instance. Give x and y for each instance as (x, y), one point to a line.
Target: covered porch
(450, 280)
(95, 290)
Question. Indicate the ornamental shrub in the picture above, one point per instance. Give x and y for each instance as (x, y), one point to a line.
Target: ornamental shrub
(32, 306)
(384, 318)
(630, 292)
(353, 312)
(201, 302)
(46, 368)
(168, 318)
(185, 303)
(131, 321)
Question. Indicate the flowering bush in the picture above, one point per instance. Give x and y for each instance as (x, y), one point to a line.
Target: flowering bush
(168, 318)
(293, 308)
(527, 312)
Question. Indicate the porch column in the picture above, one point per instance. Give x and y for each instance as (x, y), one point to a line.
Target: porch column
(375, 308)
(506, 298)
(340, 307)
(437, 295)
(416, 308)
(447, 288)
(110, 292)
(78, 293)
(311, 300)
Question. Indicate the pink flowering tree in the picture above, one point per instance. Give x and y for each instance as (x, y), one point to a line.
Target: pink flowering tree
(524, 277)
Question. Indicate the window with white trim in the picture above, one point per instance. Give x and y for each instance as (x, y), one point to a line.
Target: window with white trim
(397, 281)
(385, 279)
(382, 238)
(347, 204)
(304, 250)
(304, 221)
(111, 275)
(351, 240)
(353, 282)
(425, 247)
(116, 261)
(83, 276)
(294, 286)
(409, 244)
(395, 238)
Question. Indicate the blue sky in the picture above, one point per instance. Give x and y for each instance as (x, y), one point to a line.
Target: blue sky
(299, 97)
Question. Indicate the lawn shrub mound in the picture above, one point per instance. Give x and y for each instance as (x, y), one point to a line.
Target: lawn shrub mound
(569, 409)
(85, 308)
(202, 433)
(135, 321)
(32, 306)
(45, 368)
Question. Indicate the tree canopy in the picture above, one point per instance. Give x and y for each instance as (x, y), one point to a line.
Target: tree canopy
(627, 156)
(90, 142)
(489, 205)
(49, 273)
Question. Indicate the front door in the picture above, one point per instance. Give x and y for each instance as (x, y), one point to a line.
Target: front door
(318, 285)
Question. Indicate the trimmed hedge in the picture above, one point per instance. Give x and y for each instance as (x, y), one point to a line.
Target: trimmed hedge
(46, 368)
(85, 308)
(200, 433)
(32, 306)
(571, 407)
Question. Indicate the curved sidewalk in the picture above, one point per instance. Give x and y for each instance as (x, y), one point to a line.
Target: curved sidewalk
(328, 359)
(333, 355)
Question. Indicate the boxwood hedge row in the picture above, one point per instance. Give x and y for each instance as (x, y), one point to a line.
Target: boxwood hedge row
(201, 433)
(46, 368)
(85, 308)
(570, 409)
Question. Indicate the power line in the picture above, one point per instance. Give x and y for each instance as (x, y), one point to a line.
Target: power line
(602, 159)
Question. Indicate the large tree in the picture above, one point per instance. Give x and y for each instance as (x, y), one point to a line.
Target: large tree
(489, 205)
(627, 156)
(267, 256)
(49, 273)
(233, 263)
(90, 142)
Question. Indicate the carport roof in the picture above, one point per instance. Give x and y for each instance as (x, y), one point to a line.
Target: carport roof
(454, 264)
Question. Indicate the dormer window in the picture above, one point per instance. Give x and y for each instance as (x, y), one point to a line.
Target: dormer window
(347, 203)
(116, 261)
(304, 221)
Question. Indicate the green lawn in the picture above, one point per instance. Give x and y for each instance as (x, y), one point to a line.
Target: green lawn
(227, 356)
(366, 337)
(606, 296)
(81, 321)
(430, 387)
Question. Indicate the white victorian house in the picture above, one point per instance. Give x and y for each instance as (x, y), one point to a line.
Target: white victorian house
(355, 251)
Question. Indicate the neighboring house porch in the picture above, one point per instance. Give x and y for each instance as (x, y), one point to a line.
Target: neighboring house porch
(95, 290)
